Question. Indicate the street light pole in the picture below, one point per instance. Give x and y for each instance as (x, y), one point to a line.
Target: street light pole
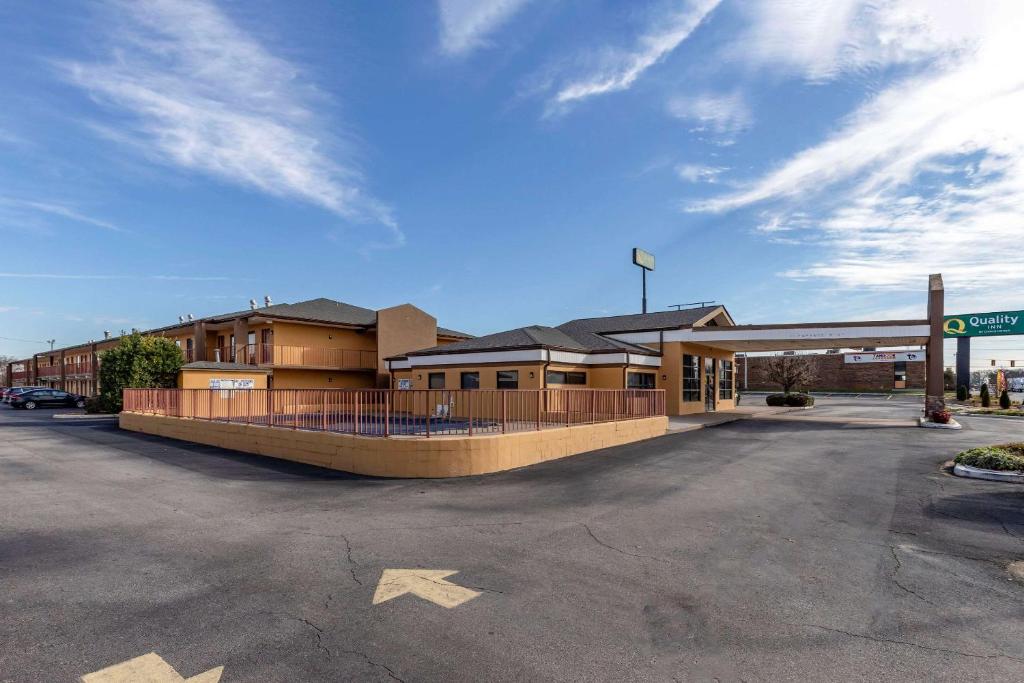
(51, 343)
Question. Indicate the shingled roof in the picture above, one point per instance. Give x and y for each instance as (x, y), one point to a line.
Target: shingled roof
(320, 310)
(586, 335)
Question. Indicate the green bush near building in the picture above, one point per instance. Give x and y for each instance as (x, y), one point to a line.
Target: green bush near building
(1004, 458)
(138, 363)
(986, 400)
(1004, 400)
(962, 393)
(790, 400)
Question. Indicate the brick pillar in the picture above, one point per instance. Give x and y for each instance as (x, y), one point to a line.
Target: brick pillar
(934, 392)
(34, 372)
(63, 373)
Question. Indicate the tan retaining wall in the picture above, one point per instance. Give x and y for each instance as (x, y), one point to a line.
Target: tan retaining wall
(401, 457)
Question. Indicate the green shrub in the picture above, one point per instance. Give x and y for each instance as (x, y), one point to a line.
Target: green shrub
(137, 362)
(799, 400)
(986, 400)
(790, 400)
(1005, 458)
(1004, 400)
(962, 394)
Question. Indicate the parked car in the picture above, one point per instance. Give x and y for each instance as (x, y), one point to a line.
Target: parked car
(9, 393)
(46, 398)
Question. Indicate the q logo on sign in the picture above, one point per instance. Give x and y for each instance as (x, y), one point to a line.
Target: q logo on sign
(955, 326)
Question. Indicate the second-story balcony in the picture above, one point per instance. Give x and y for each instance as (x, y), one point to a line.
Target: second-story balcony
(49, 371)
(287, 356)
(82, 369)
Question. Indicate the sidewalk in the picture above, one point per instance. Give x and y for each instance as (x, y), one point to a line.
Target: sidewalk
(686, 423)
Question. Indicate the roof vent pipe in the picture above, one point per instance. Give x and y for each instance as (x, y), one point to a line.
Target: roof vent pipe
(106, 334)
(191, 317)
(267, 301)
(181, 318)
(252, 304)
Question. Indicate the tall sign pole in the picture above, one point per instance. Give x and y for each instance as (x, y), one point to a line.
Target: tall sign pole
(646, 262)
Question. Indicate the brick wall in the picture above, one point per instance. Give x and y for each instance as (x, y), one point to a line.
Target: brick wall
(834, 374)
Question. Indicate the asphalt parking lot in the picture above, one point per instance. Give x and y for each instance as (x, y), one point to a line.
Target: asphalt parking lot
(756, 550)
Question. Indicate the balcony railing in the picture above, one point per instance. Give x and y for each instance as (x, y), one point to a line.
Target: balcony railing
(286, 356)
(78, 369)
(396, 412)
(48, 371)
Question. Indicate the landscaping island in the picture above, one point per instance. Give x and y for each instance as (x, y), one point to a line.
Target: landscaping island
(1004, 462)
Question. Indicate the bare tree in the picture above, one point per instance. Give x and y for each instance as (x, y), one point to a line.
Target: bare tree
(789, 372)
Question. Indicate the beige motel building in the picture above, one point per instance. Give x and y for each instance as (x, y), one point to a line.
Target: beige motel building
(325, 344)
(320, 343)
(690, 353)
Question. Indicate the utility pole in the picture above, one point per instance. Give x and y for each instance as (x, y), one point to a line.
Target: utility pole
(51, 343)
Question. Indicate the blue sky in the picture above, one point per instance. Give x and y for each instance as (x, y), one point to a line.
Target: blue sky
(493, 161)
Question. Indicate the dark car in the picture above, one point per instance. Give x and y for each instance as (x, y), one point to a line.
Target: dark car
(46, 398)
(13, 391)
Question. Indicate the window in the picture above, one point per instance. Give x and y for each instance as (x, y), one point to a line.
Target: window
(470, 380)
(725, 380)
(508, 379)
(435, 380)
(560, 377)
(691, 378)
(640, 380)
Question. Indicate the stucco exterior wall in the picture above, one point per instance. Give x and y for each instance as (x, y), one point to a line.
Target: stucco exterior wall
(401, 457)
(323, 379)
(318, 336)
(401, 329)
(670, 377)
(200, 379)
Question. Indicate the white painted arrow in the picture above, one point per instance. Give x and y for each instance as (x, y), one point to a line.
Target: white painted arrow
(150, 668)
(428, 584)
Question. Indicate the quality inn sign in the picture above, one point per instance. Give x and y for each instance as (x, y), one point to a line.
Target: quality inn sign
(984, 324)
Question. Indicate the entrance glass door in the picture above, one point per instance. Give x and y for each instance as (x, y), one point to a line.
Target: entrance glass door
(709, 385)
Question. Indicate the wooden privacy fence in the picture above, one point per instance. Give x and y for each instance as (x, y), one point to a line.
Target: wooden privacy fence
(398, 412)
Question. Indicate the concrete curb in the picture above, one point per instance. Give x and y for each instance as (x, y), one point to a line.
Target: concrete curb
(77, 416)
(928, 424)
(997, 417)
(992, 475)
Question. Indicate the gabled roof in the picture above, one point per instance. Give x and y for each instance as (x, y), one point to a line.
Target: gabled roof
(637, 322)
(534, 336)
(448, 332)
(585, 335)
(320, 309)
(314, 310)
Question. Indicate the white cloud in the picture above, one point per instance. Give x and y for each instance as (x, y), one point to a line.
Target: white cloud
(201, 94)
(613, 70)
(821, 39)
(927, 176)
(61, 210)
(722, 115)
(696, 173)
(466, 24)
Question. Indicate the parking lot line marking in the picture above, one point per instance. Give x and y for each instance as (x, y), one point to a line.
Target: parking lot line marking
(428, 584)
(148, 668)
